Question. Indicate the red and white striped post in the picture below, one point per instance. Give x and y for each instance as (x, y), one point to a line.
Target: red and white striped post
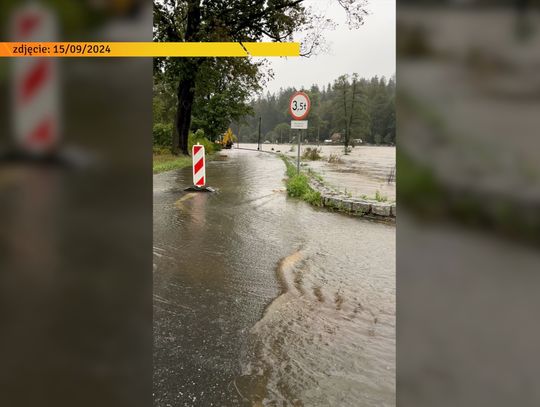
(199, 164)
(35, 96)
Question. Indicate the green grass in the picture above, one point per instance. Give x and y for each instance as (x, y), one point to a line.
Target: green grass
(380, 197)
(298, 185)
(168, 162)
(314, 175)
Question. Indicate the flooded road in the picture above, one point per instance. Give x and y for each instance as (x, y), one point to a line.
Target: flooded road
(261, 300)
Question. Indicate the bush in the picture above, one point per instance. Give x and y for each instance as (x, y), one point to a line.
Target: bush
(335, 159)
(298, 186)
(311, 154)
(158, 150)
(162, 134)
(313, 197)
(198, 137)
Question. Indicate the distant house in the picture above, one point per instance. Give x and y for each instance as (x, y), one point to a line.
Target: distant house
(336, 137)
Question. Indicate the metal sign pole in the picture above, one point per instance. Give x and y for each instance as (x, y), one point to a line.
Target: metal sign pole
(299, 106)
(298, 153)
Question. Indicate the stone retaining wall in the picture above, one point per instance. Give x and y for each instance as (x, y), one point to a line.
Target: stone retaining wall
(353, 206)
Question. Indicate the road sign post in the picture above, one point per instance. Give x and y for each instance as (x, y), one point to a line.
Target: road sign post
(199, 170)
(35, 89)
(299, 106)
(199, 165)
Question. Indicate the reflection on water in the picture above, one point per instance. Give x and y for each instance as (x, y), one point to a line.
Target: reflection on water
(262, 300)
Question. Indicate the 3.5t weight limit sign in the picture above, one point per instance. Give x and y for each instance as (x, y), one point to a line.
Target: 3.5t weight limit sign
(299, 106)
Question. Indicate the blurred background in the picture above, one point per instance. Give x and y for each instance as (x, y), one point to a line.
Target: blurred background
(76, 210)
(76, 207)
(468, 189)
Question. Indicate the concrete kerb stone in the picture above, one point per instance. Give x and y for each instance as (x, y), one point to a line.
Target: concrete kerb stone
(361, 207)
(347, 205)
(381, 209)
(358, 207)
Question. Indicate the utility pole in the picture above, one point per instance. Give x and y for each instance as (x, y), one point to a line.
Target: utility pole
(238, 143)
(259, 138)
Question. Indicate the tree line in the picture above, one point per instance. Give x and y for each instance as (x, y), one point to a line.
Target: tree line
(350, 108)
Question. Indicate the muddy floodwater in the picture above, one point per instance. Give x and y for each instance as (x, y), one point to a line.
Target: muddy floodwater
(263, 300)
(363, 172)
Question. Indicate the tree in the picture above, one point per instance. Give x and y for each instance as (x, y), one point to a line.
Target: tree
(373, 113)
(235, 20)
(349, 93)
(282, 130)
(222, 89)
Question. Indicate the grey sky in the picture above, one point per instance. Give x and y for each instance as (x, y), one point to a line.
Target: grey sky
(369, 50)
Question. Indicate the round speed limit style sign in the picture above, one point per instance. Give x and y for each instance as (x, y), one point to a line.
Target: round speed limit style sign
(299, 106)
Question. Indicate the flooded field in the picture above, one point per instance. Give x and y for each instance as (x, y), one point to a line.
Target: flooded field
(260, 300)
(364, 171)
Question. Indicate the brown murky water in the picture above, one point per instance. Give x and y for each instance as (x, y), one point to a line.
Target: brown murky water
(261, 300)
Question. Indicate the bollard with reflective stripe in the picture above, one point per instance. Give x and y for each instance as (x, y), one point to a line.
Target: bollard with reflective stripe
(199, 170)
(35, 94)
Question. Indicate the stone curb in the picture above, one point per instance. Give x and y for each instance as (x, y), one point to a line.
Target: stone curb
(353, 206)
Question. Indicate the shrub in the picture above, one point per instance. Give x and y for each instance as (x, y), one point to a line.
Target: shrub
(162, 134)
(158, 150)
(312, 154)
(198, 137)
(298, 186)
(313, 197)
(335, 159)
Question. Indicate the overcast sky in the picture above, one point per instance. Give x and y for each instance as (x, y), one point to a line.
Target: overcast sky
(369, 50)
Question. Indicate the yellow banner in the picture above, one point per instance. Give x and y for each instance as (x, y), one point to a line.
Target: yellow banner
(149, 49)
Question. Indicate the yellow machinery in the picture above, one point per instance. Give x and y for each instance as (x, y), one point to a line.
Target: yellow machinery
(228, 139)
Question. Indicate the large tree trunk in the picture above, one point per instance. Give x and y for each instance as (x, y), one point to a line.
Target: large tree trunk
(186, 95)
(186, 84)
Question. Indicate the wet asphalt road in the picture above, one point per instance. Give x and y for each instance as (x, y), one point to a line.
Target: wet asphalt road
(263, 300)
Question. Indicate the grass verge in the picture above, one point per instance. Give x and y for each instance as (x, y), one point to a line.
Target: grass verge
(298, 185)
(168, 162)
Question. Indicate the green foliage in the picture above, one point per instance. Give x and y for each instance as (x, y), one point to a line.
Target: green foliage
(379, 197)
(161, 134)
(166, 162)
(157, 150)
(372, 113)
(220, 88)
(199, 138)
(298, 185)
(313, 174)
(223, 88)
